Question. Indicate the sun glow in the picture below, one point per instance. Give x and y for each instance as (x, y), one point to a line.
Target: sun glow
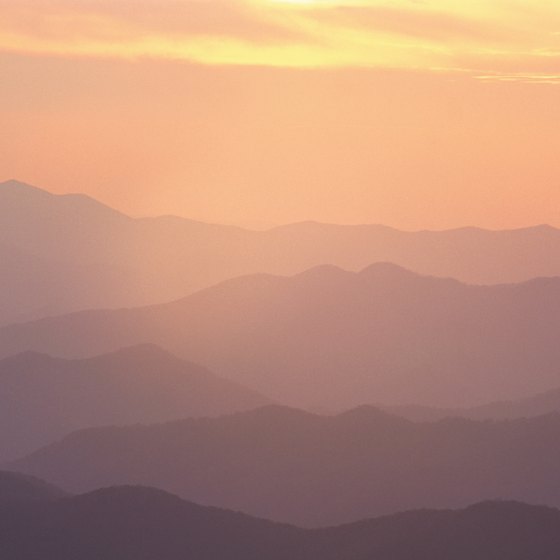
(293, 1)
(296, 2)
(487, 39)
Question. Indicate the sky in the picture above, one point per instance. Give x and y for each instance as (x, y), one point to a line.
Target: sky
(413, 113)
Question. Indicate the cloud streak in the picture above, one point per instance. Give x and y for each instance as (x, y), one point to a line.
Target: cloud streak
(493, 37)
(415, 22)
(104, 20)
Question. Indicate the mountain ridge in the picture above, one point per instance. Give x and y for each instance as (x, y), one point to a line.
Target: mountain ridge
(89, 255)
(142, 523)
(18, 185)
(310, 470)
(42, 398)
(394, 336)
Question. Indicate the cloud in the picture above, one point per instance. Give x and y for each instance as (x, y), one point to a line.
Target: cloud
(506, 37)
(538, 67)
(409, 21)
(103, 20)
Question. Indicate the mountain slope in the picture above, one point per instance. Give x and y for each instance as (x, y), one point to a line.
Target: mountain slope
(339, 339)
(291, 466)
(137, 523)
(43, 398)
(142, 524)
(17, 489)
(90, 256)
(529, 407)
(95, 257)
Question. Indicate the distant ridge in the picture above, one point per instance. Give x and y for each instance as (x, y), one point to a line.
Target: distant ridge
(44, 398)
(19, 188)
(16, 189)
(66, 253)
(334, 339)
(536, 405)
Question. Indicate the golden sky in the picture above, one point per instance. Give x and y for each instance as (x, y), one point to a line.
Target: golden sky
(414, 113)
(504, 37)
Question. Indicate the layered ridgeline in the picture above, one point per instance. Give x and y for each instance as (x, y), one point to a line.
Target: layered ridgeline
(17, 489)
(44, 398)
(291, 466)
(69, 252)
(135, 523)
(339, 339)
(528, 407)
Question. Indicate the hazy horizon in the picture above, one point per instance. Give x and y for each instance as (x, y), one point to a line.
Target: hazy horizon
(261, 226)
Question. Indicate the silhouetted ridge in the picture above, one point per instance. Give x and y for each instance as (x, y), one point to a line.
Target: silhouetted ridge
(275, 413)
(30, 357)
(323, 272)
(44, 398)
(292, 466)
(313, 227)
(19, 188)
(388, 270)
(540, 404)
(494, 507)
(141, 353)
(368, 414)
(24, 192)
(144, 354)
(17, 488)
(140, 523)
(131, 496)
(384, 271)
(69, 253)
(390, 337)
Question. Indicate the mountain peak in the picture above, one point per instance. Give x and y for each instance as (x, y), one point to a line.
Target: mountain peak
(276, 413)
(144, 352)
(323, 271)
(387, 270)
(143, 355)
(20, 196)
(370, 413)
(143, 349)
(13, 186)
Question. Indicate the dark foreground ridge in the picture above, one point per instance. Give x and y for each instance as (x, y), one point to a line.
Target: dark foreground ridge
(138, 523)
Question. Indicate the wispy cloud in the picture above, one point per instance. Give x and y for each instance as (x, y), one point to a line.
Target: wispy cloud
(495, 37)
(105, 20)
(410, 21)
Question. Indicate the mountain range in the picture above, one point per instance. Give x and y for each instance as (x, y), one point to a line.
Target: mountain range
(291, 466)
(337, 339)
(44, 398)
(64, 253)
(528, 407)
(135, 523)
(440, 348)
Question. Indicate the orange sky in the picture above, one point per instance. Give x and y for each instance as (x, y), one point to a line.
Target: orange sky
(412, 113)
